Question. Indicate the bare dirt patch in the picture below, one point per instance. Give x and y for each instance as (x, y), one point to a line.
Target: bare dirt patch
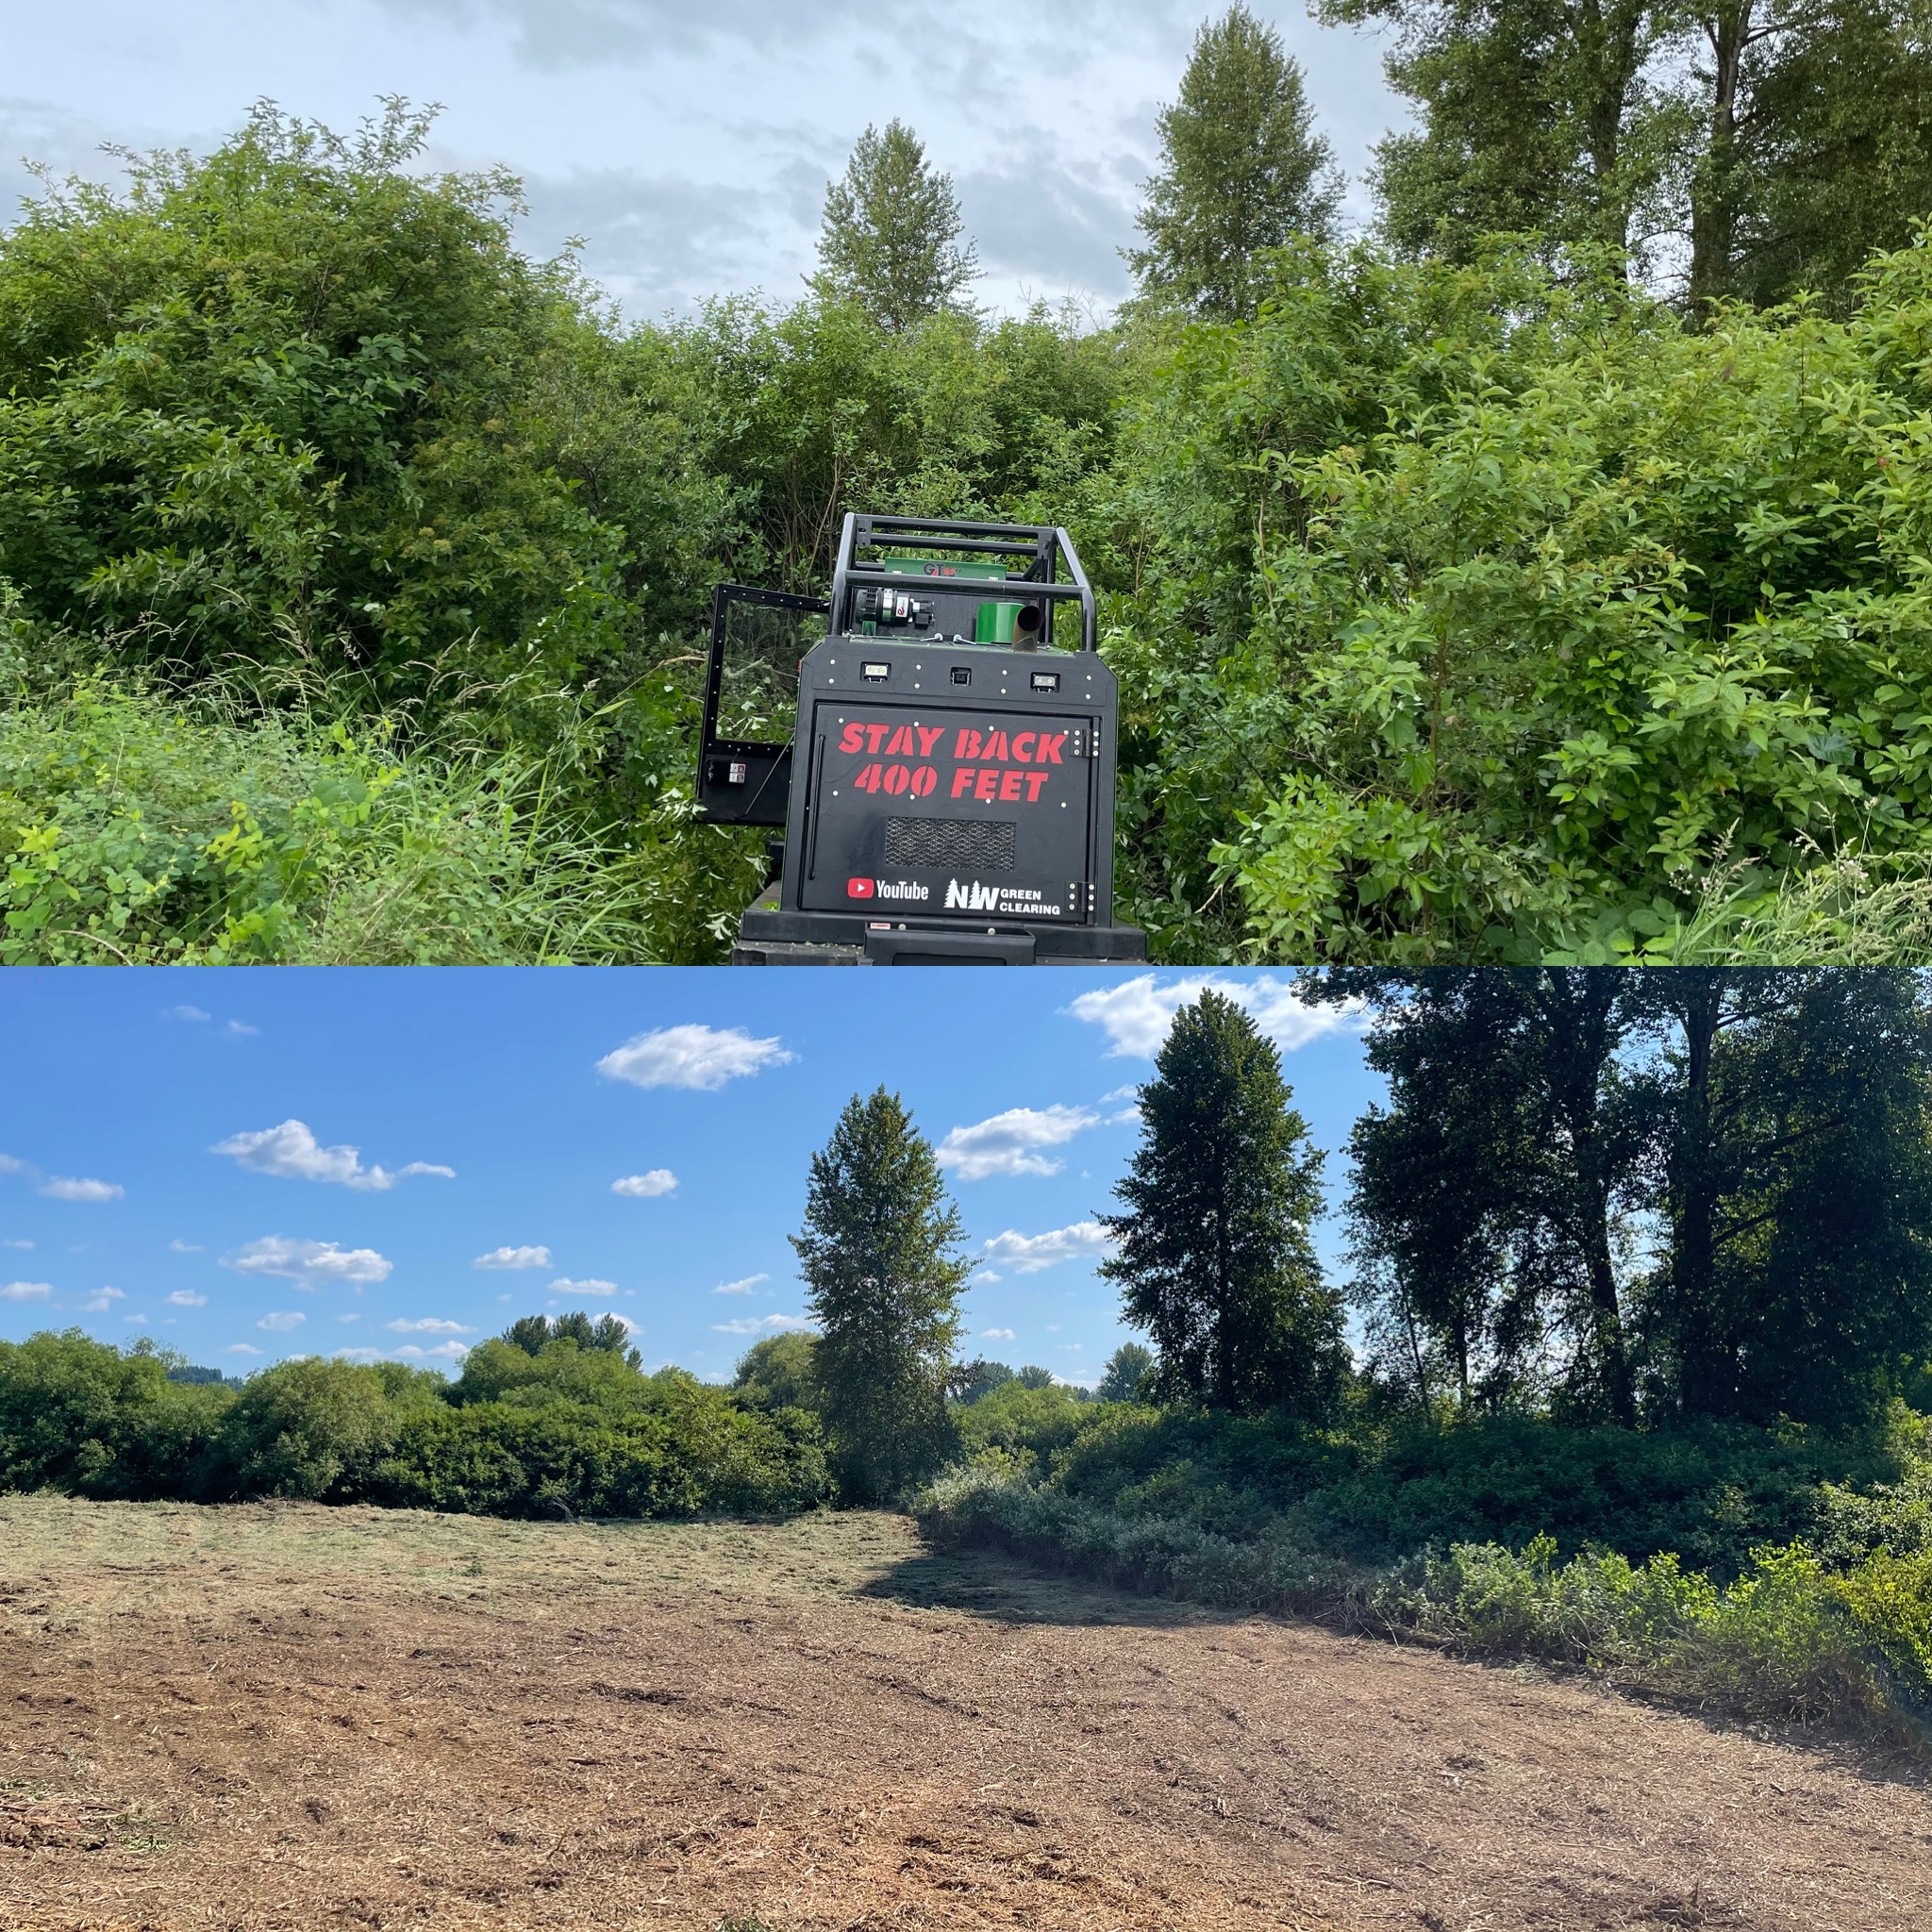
(286, 1717)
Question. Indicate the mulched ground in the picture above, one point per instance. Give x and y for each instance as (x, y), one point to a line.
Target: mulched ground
(286, 1717)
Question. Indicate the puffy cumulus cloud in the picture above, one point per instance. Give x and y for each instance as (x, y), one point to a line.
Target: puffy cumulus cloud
(1136, 1014)
(513, 1257)
(184, 1247)
(25, 1290)
(1028, 1253)
(744, 1285)
(241, 1348)
(443, 1351)
(429, 1324)
(292, 1152)
(100, 1302)
(308, 1264)
(997, 1335)
(647, 1187)
(760, 1324)
(700, 1057)
(1011, 1142)
(590, 1284)
(282, 1321)
(187, 1298)
(191, 1013)
(61, 1187)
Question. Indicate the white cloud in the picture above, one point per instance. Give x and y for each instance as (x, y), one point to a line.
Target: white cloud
(136, 1320)
(697, 1057)
(1028, 1253)
(351, 1316)
(997, 1335)
(429, 1324)
(186, 1013)
(1009, 1142)
(984, 1275)
(760, 1324)
(16, 1244)
(282, 1322)
(513, 1257)
(292, 1152)
(241, 1348)
(443, 1351)
(308, 1264)
(564, 1285)
(62, 1187)
(240, 1030)
(187, 1298)
(185, 1247)
(1136, 1014)
(357, 1355)
(25, 1291)
(10, 1165)
(99, 1303)
(647, 1187)
(742, 1285)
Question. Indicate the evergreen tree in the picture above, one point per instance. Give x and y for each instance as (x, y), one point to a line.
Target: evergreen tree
(878, 1254)
(1215, 1259)
(1243, 170)
(888, 239)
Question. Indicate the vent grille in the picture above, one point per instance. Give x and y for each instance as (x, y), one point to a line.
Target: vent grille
(974, 845)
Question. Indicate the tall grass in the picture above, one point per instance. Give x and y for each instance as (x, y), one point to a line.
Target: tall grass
(142, 827)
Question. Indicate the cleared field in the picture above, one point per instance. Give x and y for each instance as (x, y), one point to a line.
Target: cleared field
(284, 1716)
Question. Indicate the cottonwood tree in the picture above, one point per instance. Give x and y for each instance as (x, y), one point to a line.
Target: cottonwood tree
(1489, 1194)
(879, 1255)
(1215, 1260)
(1797, 1190)
(889, 235)
(1777, 141)
(1243, 170)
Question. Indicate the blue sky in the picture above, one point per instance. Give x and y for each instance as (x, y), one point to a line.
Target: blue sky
(689, 147)
(249, 1165)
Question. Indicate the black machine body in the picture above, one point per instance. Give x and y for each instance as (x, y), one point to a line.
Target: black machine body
(946, 785)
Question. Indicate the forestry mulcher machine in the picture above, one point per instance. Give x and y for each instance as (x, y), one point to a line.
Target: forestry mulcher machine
(937, 740)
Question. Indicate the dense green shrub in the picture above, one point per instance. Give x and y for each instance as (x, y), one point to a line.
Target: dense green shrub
(1482, 613)
(505, 1460)
(80, 1416)
(138, 828)
(1027, 1424)
(1712, 1496)
(584, 1432)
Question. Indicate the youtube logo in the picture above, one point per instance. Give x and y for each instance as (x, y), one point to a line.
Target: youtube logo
(859, 889)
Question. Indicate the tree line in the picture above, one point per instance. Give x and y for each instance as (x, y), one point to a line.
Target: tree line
(1594, 1196)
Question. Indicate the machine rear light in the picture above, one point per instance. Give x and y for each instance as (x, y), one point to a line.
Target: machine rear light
(1046, 680)
(876, 674)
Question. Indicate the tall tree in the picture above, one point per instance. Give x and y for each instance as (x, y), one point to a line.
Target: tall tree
(1797, 1190)
(1819, 150)
(1536, 114)
(889, 239)
(1488, 1194)
(1243, 170)
(1215, 1259)
(1779, 142)
(879, 1255)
